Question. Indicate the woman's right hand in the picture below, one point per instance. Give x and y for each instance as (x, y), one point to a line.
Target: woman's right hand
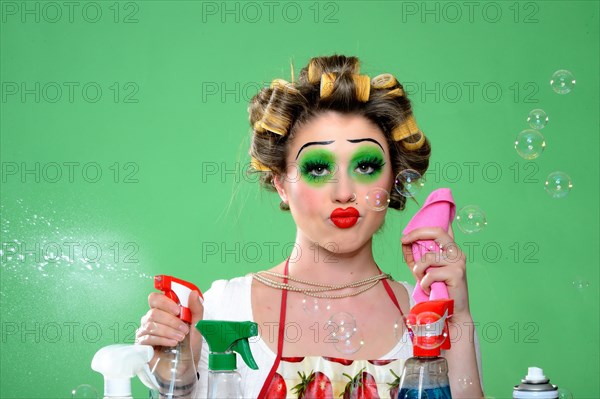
(161, 325)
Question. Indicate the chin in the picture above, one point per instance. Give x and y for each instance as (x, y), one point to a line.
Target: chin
(343, 245)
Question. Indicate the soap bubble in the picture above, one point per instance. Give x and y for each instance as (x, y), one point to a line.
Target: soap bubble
(428, 329)
(344, 334)
(564, 393)
(530, 144)
(562, 81)
(409, 183)
(314, 306)
(558, 184)
(401, 333)
(537, 119)
(342, 325)
(377, 199)
(350, 344)
(84, 392)
(581, 284)
(471, 219)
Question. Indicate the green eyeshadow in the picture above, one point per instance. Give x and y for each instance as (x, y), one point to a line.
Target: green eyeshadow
(317, 166)
(366, 164)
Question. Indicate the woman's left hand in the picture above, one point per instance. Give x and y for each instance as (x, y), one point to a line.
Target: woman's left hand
(448, 266)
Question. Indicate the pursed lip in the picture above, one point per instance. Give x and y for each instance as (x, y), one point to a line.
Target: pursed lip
(344, 218)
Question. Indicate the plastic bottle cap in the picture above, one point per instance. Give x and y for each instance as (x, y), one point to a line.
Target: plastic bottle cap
(535, 374)
(117, 387)
(222, 361)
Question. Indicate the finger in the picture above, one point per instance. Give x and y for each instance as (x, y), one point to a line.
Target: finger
(449, 276)
(450, 231)
(452, 253)
(162, 325)
(424, 233)
(427, 261)
(161, 317)
(162, 330)
(408, 255)
(160, 301)
(155, 341)
(196, 307)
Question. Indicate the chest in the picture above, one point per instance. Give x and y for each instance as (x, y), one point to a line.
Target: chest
(350, 328)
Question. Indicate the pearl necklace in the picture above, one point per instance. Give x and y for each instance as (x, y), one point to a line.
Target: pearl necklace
(319, 292)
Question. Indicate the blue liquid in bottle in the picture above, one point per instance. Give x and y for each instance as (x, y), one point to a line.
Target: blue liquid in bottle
(425, 378)
(429, 393)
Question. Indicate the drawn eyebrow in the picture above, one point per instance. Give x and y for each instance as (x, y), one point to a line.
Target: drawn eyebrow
(333, 141)
(367, 139)
(313, 143)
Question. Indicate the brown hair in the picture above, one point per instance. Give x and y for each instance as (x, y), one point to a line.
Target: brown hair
(278, 111)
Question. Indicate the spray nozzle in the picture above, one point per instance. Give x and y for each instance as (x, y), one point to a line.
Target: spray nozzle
(119, 363)
(226, 337)
(428, 322)
(535, 375)
(179, 291)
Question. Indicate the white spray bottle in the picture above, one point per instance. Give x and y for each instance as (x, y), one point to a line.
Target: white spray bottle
(118, 364)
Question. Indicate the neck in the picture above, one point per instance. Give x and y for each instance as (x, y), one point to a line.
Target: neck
(325, 264)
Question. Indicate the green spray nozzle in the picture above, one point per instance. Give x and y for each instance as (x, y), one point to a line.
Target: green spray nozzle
(225, 337)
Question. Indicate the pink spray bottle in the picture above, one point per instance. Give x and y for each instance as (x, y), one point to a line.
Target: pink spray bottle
(425, 375)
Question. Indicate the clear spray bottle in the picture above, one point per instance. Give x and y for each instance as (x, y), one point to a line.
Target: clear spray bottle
(223, 339)
(425, 375)
(175, 367)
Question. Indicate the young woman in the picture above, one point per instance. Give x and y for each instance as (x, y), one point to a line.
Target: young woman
(330, 321)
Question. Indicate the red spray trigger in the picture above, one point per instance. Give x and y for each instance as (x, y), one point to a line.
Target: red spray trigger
(179, 291)
(428, 323)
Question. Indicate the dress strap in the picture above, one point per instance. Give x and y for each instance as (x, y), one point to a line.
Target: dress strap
(391, 294)
(280, 336)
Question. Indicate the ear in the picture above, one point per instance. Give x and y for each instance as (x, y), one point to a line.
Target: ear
(279, 186)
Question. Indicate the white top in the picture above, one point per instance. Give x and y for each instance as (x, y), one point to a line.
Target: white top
(231, 300)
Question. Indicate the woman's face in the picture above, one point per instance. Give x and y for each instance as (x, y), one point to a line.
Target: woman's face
(333, 162)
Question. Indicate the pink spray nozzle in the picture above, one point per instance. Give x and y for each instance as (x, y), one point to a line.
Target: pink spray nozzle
(437, 211)
(428, 322)
(179, 291)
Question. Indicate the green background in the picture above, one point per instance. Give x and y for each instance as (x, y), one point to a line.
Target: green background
(168, 133)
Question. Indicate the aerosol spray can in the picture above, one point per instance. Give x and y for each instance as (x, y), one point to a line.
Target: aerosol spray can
(535, 385)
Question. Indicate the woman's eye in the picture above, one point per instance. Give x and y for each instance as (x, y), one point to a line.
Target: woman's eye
(319, 171)
(365, 168)
(316, 170)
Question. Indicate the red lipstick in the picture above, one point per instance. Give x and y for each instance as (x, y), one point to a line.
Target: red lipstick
(344, 218)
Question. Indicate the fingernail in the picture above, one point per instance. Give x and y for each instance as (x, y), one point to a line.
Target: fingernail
(184, 328)
(180, 336)
(415, 268)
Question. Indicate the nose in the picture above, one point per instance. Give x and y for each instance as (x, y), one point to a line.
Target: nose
(346, 198)
(344, 190)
